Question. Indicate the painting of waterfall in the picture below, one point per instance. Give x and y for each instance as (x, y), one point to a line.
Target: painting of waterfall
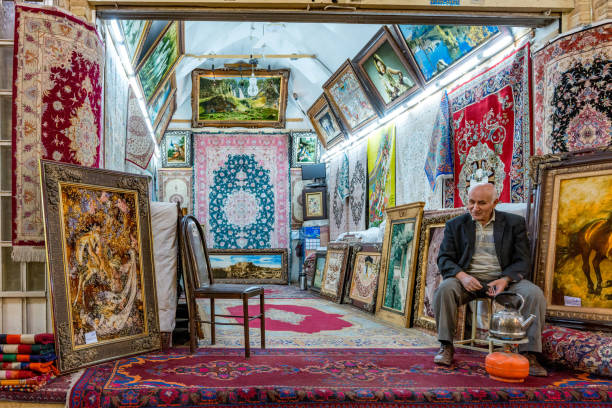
(234, 98)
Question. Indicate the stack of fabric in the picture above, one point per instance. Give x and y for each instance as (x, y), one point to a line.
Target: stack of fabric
(26, 361)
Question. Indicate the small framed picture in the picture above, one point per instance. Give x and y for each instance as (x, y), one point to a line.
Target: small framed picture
(176, 148)
(325, 123)
(317, 276)
(363, 283)
(304, 148)
(336, 263)
(314, 203)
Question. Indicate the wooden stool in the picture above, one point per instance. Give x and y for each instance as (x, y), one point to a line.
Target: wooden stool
(473, 341)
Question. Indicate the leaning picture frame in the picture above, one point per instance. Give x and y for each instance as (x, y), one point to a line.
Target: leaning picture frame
(159, 102)
(572, 221)
(176, 148)
(398, 266)
(262, 266)
(165, 118)
(428, 276)
(349, 98)
(363, 284)
(99, 246)
(385, 72)
(319, 268)
(336, 263)
(325, 123)
(230, 98)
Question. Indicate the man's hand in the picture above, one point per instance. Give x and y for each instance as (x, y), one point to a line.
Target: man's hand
(497, 286)
(469, 282)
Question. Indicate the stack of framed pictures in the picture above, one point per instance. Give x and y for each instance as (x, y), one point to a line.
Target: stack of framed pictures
(363, 280)
(336, 263)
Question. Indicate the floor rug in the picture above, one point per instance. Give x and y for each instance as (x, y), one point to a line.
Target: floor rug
(242, 189)
(294, 377)
(491, 129)
(53, 391)
(313, 323)
(572, 79)
(57, 112)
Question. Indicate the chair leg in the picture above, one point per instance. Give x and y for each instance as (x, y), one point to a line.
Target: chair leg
(212, 320)
(263, 320)
(245, 314)
(192, 328)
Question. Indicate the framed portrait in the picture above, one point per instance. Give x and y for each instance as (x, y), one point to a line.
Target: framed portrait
(363, 284)
(134, 33)
(386, 73)
(434, 48)
(249, 265)
(159, 102)
(160, 60)
(428, 276)
(398, 266)
(317, 276)
(304, 148)
(314, 203)
(349, 98)
(176, 148)
(165, 118)
(176, 186)
(100, 263)
(229, 98)
(325, 123)
(336, 262)
(574, 230)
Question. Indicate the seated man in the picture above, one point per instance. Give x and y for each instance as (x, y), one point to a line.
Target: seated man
(483, 253)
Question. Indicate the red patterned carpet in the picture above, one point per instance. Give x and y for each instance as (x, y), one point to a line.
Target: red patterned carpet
(297, 378)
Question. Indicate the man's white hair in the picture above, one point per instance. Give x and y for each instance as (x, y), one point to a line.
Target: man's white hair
(484, 183)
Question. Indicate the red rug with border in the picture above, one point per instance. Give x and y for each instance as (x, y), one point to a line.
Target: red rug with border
(347, 377)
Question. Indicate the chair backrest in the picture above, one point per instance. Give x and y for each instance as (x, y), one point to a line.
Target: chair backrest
(195, 254)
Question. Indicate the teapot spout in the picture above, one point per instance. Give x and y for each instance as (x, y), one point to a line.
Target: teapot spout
(527, 322)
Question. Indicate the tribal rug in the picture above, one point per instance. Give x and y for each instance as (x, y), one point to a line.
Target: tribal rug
(297, 185)
(242, 183)
(358, 168)
(139, 146)
(57, 110)
(491, 129)
(337, 180)
(381, 174)
(572, 81)
(332, 378)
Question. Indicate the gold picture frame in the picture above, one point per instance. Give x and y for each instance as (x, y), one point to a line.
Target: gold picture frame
(399, 256)
(336, 264)
(100, 264)
(314, 203)
(325, 123)
(262, 266)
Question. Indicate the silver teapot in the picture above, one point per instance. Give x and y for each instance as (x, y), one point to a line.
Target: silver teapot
(508, 323)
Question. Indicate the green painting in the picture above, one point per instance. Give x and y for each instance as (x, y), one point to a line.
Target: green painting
(160, 60)
(398, 273)
(133, 31)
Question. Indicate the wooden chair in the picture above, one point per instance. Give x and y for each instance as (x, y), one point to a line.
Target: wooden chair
(199, 284)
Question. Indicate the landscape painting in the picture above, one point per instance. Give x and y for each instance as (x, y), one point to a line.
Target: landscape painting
(134, 32)
(229, 98)
(249, 265)
(157, 103)
(437, 47)
(161, 59)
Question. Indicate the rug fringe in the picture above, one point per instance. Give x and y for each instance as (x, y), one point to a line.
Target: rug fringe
(29, 254)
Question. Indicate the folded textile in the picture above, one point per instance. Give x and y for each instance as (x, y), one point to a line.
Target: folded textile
(38, 367)
(42, 338)
(35, 381)
(26, 348)
(15, 374)
(35, 358)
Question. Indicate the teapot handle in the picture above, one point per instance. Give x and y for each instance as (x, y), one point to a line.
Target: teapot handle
(505, 293)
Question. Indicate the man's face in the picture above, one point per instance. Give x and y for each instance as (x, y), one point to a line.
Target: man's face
(481, 203)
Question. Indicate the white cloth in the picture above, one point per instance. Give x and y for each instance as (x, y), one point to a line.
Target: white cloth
(165, 250)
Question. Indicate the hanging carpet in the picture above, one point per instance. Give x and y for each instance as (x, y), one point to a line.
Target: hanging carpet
(439, 161)
(242, 189)
(139, 146)
(297, 185)
(338, 179)
(491, 127)
(57, 110)
(572, 85)
(358, 174)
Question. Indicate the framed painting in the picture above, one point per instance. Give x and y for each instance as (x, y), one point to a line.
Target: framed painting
(100, 263)
(160, 101)
(574, 231)
(304, 148)
(398, 266)
(317, 276)
(365, 261)
(297, 185)
(385, 72)
(325, 123)
(134, 33)
(249, 265)
(176, 148)
(428, 276)
(434, 48)
(314, 203)
(229, 98)
(161, 59)
(349, 98)
(176, 186)
(336, 262)
(165, 118)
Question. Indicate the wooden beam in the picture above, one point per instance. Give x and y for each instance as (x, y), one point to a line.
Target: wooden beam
(248, 56)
